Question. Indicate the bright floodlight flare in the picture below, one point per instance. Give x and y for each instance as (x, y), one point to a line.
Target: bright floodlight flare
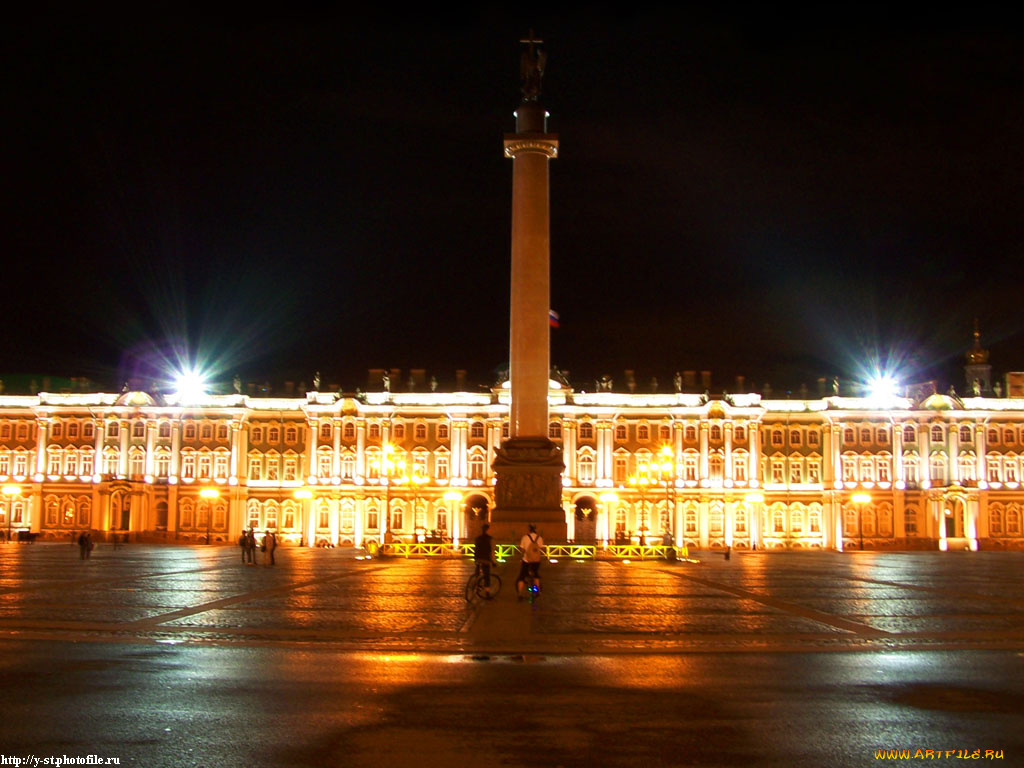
(883, 387)
(191, 386)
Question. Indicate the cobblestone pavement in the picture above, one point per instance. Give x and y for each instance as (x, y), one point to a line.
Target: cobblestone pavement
(183, 656)
(773, 601)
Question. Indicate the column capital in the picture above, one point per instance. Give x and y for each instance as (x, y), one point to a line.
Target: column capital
(542, 143)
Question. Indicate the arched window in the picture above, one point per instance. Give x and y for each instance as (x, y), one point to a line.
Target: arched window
(442, 431)
(190, 431)
(348, 431)
(222, 431)
(620, 432)
(477, 466)
(909, 434)
(664, 433)
(740, 433)
(848, 435)
(206, 431)
(113, 430)
(881, 435)
(1008, 436)
(73, 430)
(56, 429)
(256, 435)
(585, 469)
(164, 430)
(993, 436)
(420, 433)
(690, 434)
(325, 430)
(398, 431)
(476, 430)
(555, 430)
(995, 519)
(936, 433)
(291, 434)
(716, 432)
(88, 430)
(795, 437)
(965, 434)
(643, 433)
(373, 431)
(586, 431)
(5, 431)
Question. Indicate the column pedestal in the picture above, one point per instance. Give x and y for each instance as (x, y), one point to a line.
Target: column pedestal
(528, 490)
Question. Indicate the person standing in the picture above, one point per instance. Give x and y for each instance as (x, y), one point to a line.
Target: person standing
(243, 544)
(271, 540)
(532, 545)
(250, 547)
(83, 544)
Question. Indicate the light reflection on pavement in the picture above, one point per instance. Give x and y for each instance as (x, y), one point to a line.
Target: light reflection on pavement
(184, 656)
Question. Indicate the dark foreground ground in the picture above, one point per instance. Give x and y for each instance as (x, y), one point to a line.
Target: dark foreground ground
(183, 656)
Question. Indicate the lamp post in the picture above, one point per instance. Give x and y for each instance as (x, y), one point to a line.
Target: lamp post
(388, 467)
(11, 491)
(209, 494)
(415, 481)
(755, 499)
(451, 497)
(859, 500)
(303, 495)
(641, 480)
(608, 499)
(667, 470)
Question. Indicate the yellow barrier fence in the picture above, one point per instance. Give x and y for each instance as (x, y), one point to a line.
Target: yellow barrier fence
(510, 551)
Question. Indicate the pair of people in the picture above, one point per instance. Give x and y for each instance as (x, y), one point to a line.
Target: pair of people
(532, 545)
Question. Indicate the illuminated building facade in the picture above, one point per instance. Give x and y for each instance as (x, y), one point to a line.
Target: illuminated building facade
(832, 473)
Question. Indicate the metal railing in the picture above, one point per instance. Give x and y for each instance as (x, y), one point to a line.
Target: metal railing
(510, 551)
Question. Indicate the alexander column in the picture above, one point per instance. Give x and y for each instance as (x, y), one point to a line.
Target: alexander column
(528, 465)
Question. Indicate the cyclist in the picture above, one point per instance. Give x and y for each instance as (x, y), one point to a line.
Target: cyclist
(532, 545)
(483, 554)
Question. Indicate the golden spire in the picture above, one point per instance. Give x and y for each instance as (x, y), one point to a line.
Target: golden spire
(976, 355)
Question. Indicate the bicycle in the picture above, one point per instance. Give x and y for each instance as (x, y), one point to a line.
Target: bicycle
(475, 585)
(531, 586)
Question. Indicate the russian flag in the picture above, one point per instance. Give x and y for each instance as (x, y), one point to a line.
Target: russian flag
(552, 318)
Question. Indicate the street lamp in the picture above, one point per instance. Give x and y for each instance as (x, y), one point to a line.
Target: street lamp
(415, 481)
(641, 480)
(11, 491)
(608, 499)
(755, 499)
(451, 497)
(388, 466)
(859, 500)
(208, 494)
(667, 474)
(304, 495)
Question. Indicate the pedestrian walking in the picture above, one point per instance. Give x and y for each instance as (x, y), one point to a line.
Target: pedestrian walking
(243, 544)
(83, 542)
(88, 545)
(269, 545)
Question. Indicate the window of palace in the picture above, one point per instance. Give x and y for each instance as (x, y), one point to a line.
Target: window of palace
(222, 432)
(1010, 471)
(88, 431)
(325, 430)
(965, 434)
(504, 430)
(555, 430)
(1007, 436)
(867, 469)
(110, 461)
(188, 465)
(813, 437)
(323, 515)
(691, 522)
(1013, 521)
(716, 433)
(776, 437)
(477, 467)
(995, 519)
(288, 515)
(398, 431)
(620, 520)
(205, 465)
(778, 522)
(740, 521)
(348, 431)
(254, 514)
(397, 519)
(739, 469)
(881, 436)
(643, 433)
(993, 436)
(348, 466)
(814, 472)
(273, 468)
(73, 430)
(56, 430)
(53, 462)
(256, 435)
(741, 434)
(690, 467)
(586, 431)
(164, 430)
(777, 471)
(137, 463)
(270, 510)
(690, 434)
(476, 430)
(372, 521)
(442, 467)
(5, 464)
(324, 462)
(291, 434)
(620, 433)
(938, 469)
(865, 436)
(796, 522)
(163, 464)
(848, 436)
(909, 434)
(796, 437)
(220, 465)
(715, 466)
(71, 463)
(910, 469)
(420, 433)
(23, 431)
(620, 469)
(291, 468)
(796, 473)
(442, 431)
(442, 519)
(849, 469)
(664, 433)
(883, 470)
(420, 463)
(5, 431)
(206, 432)
(373, 431)
(936, 434)
(585, 469)
(190, 431)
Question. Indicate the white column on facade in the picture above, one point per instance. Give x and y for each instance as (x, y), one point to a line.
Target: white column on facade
(42, 433)
(753, 471)
(150, 444)
(971, 523)
(730, 517)
(461, 455)
(359, 521)
(99, 431)
(925, 468)
(336, 460)
(897, 453)
(827, 470)
(312, 436)
(570, 520)
(939, 514)
(334, 518)
(837, 453)
(237, 434)
(727, 427)
(605, 442)
(981, 448)
(361, 448)
(122, 463)
(838, 523)
(569, 449)
(954, 454)
(703, 469)
(703, 522)
(176, 429)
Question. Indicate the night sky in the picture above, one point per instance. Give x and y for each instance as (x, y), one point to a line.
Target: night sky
(777, 196)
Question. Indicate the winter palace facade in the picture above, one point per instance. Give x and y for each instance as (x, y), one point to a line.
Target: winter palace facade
(328, 469)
